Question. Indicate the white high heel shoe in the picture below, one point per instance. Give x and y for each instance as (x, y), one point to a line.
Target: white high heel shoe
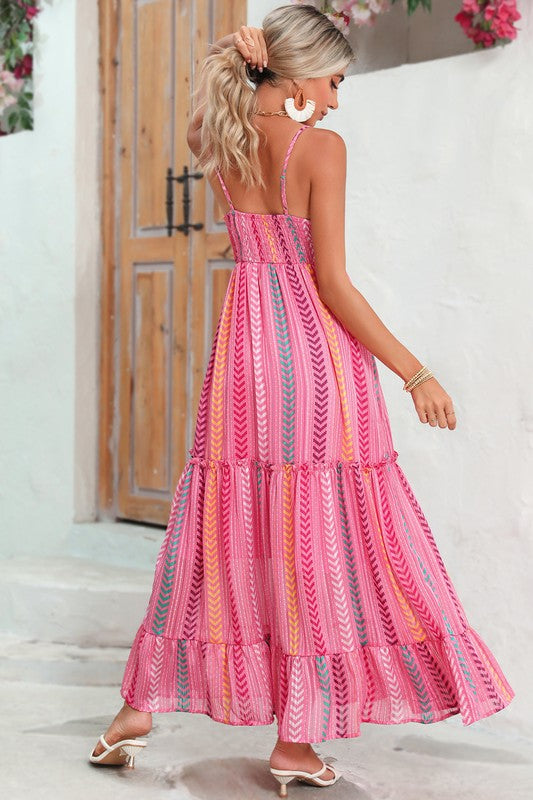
(286, 775)
(115, 753)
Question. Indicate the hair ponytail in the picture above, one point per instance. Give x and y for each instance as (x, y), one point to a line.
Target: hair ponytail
(301, 43)
(228, 138)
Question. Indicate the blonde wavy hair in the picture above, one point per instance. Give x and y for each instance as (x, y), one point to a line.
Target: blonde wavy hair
(301, 43)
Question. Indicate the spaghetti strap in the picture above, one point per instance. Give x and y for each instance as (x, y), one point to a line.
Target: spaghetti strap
(225, 190)
(282, 176)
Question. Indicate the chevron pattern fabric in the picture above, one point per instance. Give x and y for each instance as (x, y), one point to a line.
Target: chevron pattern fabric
(298, 580)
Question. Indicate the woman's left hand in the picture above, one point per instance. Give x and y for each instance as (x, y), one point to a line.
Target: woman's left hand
(251, 44)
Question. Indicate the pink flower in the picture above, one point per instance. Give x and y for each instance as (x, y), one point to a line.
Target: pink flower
(503, 30)
(340, 22)
(8, 79)
(483, 37)
(503, 11)
(509, 11)
(6, 99)
(378, 6)
(24, 67)
(499, 14)
(360, 15)
(464, 20)
(338, 5)
(470, 6)
(31, 11)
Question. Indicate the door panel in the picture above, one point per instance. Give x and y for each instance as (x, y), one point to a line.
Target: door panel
(165, 291)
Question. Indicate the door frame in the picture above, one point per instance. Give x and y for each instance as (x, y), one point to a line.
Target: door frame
(108, 35)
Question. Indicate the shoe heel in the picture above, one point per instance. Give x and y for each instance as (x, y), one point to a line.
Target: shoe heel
(130, 751)
(284, 780)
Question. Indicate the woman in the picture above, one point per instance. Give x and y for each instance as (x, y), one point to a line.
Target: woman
(298, 578)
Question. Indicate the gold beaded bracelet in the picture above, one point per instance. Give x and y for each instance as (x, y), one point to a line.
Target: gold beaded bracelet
(407, 385)
(420, 380)
(421, 376)
(417, 379)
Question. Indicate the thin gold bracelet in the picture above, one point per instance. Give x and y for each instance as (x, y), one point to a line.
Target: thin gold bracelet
(411, 385)
(418, 378)
(415, 376)
(419, 381)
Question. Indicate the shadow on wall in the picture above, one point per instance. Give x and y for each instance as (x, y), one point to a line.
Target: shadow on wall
(397, 38)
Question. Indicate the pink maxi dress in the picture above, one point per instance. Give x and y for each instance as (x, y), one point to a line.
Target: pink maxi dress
(298, 578)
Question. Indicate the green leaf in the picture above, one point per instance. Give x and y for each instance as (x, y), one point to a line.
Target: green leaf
(412, 5)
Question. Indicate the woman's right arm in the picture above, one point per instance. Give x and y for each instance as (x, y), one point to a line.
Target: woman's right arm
(327, 211)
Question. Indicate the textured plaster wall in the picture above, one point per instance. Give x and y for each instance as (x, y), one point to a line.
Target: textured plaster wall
(50, 263)
(37, 262)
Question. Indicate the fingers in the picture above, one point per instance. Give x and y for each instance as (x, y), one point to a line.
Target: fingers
(432, 418)
(435, 412)
(438, 418)
(262, 49)
(449, 413)
(441, 417)
(422, 415)
(251, 44)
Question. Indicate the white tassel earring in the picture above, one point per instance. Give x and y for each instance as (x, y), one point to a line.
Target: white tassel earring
(296, 109)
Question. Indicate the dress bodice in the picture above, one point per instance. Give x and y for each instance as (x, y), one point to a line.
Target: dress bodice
(269, 238)
(272, 238)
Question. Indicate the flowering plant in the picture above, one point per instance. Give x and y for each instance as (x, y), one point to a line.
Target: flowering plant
(343, 12)
(16, 64)
(360, 12)
(488, 22)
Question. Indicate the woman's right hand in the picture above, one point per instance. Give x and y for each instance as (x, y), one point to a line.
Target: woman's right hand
(433, 404)
(251, 44)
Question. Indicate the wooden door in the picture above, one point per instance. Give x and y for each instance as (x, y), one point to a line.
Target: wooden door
(161, 293)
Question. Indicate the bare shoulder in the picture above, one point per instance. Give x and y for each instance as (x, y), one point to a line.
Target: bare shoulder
(325, 147)
(327, 137)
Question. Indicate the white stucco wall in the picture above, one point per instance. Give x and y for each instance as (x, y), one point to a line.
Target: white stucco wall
(37, 258)
(50, 262)
(438, 239)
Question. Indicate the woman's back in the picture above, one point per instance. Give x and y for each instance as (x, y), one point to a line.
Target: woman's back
(276, 138)
(270, 237)
(304, 170)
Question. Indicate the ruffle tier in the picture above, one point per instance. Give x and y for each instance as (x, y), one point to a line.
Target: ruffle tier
(318, 697)
(309, 594)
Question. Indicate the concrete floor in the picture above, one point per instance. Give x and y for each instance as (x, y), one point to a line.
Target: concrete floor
(48, 731)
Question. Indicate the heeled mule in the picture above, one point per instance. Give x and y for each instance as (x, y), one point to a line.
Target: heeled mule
(122, 752)
(284, 776)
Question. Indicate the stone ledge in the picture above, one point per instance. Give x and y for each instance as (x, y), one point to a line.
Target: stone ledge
(66, 664)
(70, 600)
(125, 544)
